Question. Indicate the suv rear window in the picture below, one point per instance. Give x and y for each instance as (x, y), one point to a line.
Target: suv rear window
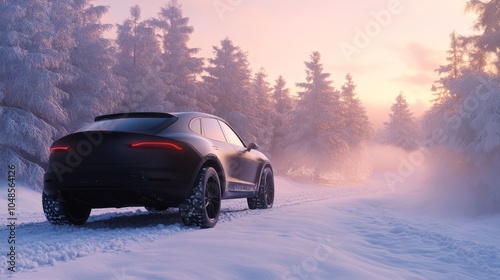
(131, 124)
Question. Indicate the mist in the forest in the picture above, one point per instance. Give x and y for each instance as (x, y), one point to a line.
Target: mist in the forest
(439, 181)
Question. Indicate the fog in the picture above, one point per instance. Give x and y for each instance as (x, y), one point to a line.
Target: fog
(438, 182)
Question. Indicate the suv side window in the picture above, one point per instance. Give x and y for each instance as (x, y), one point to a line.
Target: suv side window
(212, 129)
(195, 125)
(231, 136)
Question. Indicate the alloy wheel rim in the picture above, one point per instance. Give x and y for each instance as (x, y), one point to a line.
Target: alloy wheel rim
(269, 189)
(212, 198)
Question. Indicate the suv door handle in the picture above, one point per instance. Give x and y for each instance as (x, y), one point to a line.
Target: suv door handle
(215, 147)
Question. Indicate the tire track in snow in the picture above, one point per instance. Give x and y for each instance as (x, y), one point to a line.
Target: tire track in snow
(477, 257)
(419, 242)
(41, 244)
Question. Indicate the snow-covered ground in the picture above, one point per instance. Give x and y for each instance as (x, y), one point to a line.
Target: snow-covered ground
(367, 231)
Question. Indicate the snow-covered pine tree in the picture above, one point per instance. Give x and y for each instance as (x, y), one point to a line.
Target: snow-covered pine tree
(445, 100)
(455, 58)
(479, 133)
(33, 67)
(140, 62)
(488, 23)
(179, 61)
(283, 102)
(473, 130)
(356, 164)
(283, 105)
(317, 137)
(262, 91)
(139, 50)
(229, 80)
(401, 130)
(358, 128)
(95, 89)
(467, 124)
(451, 71)
(469, 58)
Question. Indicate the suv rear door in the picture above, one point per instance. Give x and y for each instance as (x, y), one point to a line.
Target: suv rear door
(224, 151)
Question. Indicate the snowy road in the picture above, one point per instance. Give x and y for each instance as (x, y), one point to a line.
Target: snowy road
(313, 232)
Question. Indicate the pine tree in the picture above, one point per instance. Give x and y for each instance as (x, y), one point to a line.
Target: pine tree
(229, 80)
(450, 71)
(281, 95)
(139, 50)
(94, 89)
(140, 62)
(488, 23)
(401, 130)
(467, 123)
(317, 136)
(455, 57)
(283, 105)
(356, 165)
(179, 62)
(461, 79)
(359, 129)
(261, 89)
(33, 68)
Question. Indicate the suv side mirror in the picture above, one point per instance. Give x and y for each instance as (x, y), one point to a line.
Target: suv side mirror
(252, 146)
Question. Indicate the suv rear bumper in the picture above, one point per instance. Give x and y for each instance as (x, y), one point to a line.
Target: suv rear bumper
(120, 189)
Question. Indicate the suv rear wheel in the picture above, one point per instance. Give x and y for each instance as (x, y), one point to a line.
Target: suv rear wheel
(202, 208)
(59, 211)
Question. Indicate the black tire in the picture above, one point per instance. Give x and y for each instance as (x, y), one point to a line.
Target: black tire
(265, 195)
(202, 208)
(58, 211)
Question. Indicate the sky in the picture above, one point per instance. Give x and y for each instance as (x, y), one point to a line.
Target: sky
(389, 46)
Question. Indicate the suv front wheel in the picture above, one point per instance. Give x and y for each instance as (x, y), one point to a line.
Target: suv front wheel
(265, 195)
